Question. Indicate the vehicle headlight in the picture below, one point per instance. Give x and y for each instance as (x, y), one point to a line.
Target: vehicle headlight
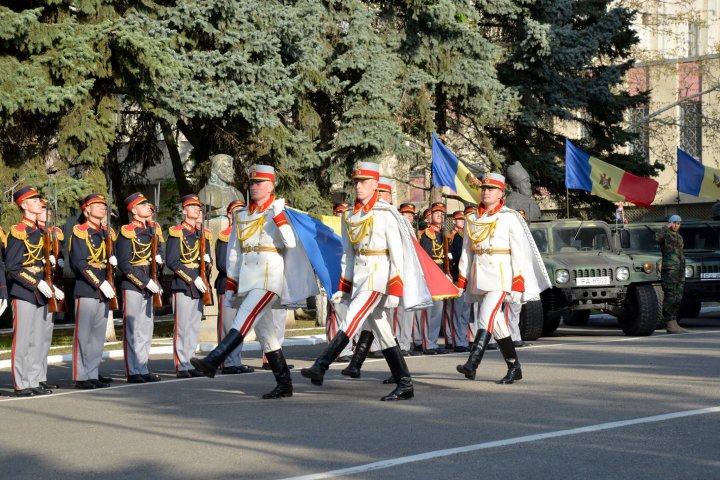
(689, 271)
(648, 267)
(622, 274)
(562, 276)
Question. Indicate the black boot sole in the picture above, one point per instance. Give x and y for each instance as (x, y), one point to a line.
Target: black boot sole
(273, 395)
(312, 374)
(351, 373)
(470, 375)
(203, 367)
(509, 379)
(394, 398)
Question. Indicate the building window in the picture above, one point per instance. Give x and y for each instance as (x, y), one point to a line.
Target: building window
(637, 119)
(691, 128)
(693, 40)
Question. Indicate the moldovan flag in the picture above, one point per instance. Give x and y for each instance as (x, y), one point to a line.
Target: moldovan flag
(448, 171)
(584, 172)
(696, 179)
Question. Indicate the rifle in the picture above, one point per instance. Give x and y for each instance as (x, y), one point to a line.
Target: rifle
(52, 303)
(207, 297)
(109, 273)
(58, 272)
(157, 298)
(446, 244)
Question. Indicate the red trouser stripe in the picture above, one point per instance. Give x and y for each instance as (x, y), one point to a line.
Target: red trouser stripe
(491, 321)
(15, 329)
(250, 320)
(125, 335)
(352, 328)
(75, 337)
(176, 360)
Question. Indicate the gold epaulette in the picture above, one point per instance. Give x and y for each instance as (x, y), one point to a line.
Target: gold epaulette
(58, 233)
(128, 231)
(159, 234)
(176, 231)
(113, 234)
(224, 236)
(208, 235)
(19, 231)
(80, 231)
(3, 237)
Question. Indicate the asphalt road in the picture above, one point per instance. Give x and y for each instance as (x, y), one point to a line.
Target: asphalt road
(593, 404)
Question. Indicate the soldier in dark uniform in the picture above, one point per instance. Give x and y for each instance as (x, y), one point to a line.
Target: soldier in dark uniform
(183, 258)
(45, 333)
(88, 260)
(29, 292)
(459, 309)
(673, 272)
(233, 363)
(134, 259)
(432, 242)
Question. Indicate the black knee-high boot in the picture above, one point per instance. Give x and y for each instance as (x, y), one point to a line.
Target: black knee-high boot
(514, 372)
(359, 355)
(281, 371)
(316, 373)
(399, 369)
(482, 338)
(214, 359)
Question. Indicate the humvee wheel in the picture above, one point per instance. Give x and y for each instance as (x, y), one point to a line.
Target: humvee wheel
(531, 320)
(642, 311)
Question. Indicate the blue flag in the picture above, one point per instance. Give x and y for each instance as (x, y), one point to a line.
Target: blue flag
(321, 244)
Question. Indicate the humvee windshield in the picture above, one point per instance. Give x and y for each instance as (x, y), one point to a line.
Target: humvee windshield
(572, 238)
(642, 239)
(700, 237)
(540, 238)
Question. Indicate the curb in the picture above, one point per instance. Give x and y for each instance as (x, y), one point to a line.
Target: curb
(254, 346)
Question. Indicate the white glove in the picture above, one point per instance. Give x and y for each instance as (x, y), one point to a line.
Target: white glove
(461, 291)
(278, 206)
(152, 286)
(107, 290)
(450, 255)
(52, 260)
(113, 260)
(207, 258)
(338, 297)
(515, 297)
(61, 262)
(45, 288)
(3, 305)
(59, 295)
(200, 285)
(158, 259)
(392, 301)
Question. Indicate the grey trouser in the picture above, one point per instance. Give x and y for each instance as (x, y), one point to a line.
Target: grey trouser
(402, 321)
(226, 316)
(431, 325)
(89, 338)
(138, 324)
(460, 321)
(27, 352)
(418, 326)
(188, 313)
(43, 339)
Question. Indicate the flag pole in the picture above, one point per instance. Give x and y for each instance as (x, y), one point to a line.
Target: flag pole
(567, 203)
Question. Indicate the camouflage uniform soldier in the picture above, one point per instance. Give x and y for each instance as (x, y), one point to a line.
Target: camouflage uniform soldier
(673, 272)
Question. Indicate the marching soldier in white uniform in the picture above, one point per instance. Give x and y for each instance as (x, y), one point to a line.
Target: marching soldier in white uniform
(256, 272)
(499, 259)
(337, 311)
(233, 363)
(371, 279)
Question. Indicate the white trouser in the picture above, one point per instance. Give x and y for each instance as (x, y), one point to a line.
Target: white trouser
(489, 314)
(369, 306)
(335, 319)
(256, 310)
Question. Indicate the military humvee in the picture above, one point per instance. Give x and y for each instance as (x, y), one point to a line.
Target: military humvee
(589, 272)
(702, 258)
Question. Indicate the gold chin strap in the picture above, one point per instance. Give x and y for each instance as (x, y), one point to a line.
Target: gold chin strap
(359, 230)
(480, 231)
(248, 228)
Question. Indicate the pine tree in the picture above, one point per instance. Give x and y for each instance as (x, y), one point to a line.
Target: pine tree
(568, 60)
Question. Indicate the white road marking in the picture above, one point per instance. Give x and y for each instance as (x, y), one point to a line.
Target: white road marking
(421, 457)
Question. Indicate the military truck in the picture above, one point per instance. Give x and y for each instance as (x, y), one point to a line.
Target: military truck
(702, 258)
(589, 272)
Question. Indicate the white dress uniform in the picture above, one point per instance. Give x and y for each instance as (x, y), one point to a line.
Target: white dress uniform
(371, 271)
(499, 258)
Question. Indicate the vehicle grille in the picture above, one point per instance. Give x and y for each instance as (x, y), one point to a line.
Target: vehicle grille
(591, 272)
(708, 269)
